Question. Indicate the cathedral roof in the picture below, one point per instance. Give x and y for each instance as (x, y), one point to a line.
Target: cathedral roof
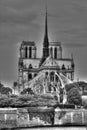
(28, 43)
(50, 62)
(54, 43)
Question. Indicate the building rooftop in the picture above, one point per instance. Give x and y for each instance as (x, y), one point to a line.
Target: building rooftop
(50, 62)
(55, 43)
(28, 43)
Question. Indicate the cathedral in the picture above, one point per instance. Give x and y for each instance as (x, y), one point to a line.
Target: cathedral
(30, 67)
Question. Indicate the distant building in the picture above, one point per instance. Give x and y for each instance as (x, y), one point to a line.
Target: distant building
(52, 61)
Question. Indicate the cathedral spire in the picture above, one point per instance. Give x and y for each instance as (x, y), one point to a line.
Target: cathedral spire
(45, 42)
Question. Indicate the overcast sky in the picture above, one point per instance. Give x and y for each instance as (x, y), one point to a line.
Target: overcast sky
(24, 20)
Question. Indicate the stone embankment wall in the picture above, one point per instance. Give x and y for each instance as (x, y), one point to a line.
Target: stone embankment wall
(14, 117)
(70, 116)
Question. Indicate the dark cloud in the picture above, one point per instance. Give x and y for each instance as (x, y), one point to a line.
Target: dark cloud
(12, 16)
(15, 25)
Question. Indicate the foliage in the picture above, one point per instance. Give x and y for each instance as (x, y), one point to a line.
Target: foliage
(13, 96)
(27, 100)
(68, 87)
(5, 90)
(82, 85)
(84, 101)
(74, 97)
(27, 91)
(73, 93)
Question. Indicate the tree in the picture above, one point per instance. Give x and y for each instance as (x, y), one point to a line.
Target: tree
(5, 90)
(74, 97)
(82, 85)
(68, 87)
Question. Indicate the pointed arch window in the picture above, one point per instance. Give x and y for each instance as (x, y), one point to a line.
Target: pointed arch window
(52, 76)
(55, 53)
(49, 88)
(29, 76)
(35, 75)
(46, 73)
(30, 66)
(30, 52)
(57, 79)
(25, 52)
(63, 67)
(51, 51)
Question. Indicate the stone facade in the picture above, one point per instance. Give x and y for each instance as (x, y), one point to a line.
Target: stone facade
(52, 61)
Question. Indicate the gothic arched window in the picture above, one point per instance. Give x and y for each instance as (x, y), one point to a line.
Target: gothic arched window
(35, 75)
(46, 73)
(25, 52)
(49, 88)
(30, 52)
(51, 51)
(30, 66)
(54, 89)
(63, 67)
(29, 76)
(52, 76)
(57, 79)
(55, 53)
